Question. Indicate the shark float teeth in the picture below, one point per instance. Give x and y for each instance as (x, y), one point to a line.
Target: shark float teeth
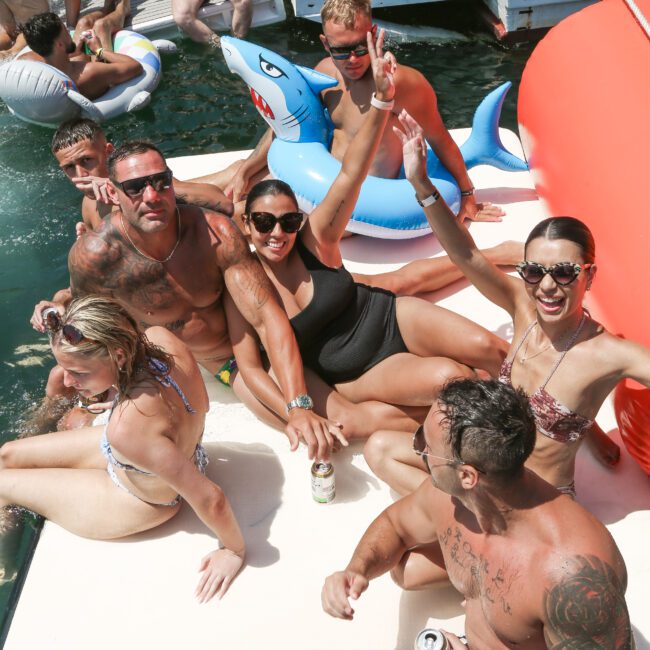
(261, 104)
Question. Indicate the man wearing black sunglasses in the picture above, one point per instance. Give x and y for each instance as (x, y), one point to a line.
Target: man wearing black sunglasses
(345, 25)
(535, 568)
(82, 149)
(171, 265)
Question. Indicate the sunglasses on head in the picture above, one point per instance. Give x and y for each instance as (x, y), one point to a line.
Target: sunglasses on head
(563, 272)
(134, 187)
(265, 222)
(69, 332)
(343, 52)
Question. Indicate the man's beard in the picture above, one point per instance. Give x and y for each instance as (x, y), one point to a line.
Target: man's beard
(71, 48)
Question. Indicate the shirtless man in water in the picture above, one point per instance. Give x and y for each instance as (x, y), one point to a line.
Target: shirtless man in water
(81, 149)
(497, 531)
(51, 43)
(170, 265)
(345, 25)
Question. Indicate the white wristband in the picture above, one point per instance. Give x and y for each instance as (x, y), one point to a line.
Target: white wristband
(382, 106)
(429, 200)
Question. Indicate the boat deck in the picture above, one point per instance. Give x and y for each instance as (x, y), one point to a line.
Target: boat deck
(138, 592)
(154, 17)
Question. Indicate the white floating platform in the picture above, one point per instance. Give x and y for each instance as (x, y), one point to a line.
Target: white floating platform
(138, 593)
(154, 17)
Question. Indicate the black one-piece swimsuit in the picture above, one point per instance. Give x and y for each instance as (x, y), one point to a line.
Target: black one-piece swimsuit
(348, 327)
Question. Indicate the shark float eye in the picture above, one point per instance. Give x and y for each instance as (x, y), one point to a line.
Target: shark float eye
(270, 69)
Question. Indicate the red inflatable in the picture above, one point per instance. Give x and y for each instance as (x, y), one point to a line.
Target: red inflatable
(584, 119)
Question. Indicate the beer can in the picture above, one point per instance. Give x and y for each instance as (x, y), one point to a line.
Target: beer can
(323, 486)
(431, 639)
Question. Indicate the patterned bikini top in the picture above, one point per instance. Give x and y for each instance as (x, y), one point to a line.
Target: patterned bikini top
(553, 419)
(160, 372)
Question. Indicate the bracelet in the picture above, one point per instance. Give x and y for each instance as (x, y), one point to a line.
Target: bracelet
(429, 200)
(469, 192)
(382, 106)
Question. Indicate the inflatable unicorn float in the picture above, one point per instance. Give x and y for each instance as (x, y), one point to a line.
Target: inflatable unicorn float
(287, 97)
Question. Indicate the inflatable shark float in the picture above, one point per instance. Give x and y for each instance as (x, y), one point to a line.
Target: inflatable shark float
(287, 96)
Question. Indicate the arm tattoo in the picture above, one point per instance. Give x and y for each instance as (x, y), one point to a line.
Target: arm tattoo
(586, 609)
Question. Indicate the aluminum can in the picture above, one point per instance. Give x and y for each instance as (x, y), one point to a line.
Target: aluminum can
(49, 317)
(323, 485)
(431, 639)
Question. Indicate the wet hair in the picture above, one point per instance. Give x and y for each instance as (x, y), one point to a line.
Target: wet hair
(568, 228)
(344, 12)
(128, 149)
(76, 130)
(106, 327)
(272, 187)
(40, 32)
(490, 425)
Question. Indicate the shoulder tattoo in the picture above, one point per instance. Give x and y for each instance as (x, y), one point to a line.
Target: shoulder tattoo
(586, 609)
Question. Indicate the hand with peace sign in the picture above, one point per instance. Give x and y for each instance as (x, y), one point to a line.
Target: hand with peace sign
(383, 66)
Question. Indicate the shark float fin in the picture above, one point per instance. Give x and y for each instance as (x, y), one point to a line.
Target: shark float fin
(484, 146)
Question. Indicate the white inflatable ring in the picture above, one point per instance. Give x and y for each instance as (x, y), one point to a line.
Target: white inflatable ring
(41, 94)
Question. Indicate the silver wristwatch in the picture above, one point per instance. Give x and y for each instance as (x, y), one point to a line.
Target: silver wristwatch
(301, 402)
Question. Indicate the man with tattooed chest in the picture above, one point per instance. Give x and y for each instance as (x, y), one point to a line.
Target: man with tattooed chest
(171, 265)
(535, 568)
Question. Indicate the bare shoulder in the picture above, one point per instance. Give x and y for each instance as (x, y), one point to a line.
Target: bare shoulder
(229, 243)
(326, 66)
(163, 338)
(420, 515)
(94, 255)
(582, 580)
(411, 79)
(583, 602)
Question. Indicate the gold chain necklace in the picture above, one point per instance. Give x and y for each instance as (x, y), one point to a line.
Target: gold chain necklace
(153, 259)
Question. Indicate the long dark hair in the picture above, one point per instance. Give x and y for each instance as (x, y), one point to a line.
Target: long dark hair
(568, 228)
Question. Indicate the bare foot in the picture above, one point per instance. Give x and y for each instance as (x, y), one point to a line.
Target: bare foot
(604, 449)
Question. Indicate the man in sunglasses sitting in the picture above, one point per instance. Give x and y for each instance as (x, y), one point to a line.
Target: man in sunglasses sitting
(345, 25)
(171, 265)
(497, 532)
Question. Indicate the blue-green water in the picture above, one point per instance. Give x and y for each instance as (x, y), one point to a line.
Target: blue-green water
(198, 108)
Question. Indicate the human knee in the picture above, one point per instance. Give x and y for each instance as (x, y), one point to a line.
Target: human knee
(183, 16)
(377, 450)
(446, 370)
(8, 454)
(85, 23)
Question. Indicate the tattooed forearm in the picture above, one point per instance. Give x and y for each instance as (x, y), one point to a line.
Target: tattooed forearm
(587, 609)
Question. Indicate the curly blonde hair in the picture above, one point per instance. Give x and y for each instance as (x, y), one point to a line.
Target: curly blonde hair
(106, 328)
(344, 12)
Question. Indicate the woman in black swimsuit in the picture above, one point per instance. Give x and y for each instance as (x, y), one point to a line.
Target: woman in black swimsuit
(365, 341)
(129, 476)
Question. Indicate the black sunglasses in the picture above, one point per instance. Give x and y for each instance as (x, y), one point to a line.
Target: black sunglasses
(134, 187)
(343, 52)
(265, 222)
(70, 333)
(563, 273)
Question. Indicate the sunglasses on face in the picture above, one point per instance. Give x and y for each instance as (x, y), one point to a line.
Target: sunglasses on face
(264, 222)
(420, 448)
(69, 332)
(344, 52)
(134, 187)
(562, 273)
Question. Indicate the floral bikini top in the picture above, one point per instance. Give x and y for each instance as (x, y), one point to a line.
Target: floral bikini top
(553, 419)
